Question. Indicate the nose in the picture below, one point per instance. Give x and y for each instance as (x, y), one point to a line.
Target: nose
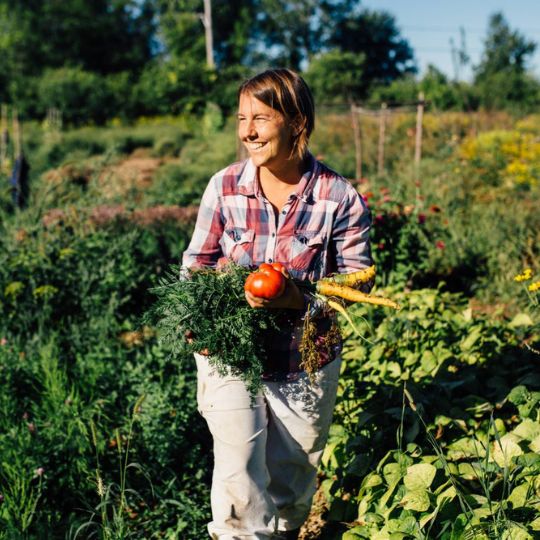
(247, 130)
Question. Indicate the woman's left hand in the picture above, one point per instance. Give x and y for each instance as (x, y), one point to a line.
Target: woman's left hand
(291, 298)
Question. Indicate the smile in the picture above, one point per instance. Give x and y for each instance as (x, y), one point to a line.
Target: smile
(255, 146)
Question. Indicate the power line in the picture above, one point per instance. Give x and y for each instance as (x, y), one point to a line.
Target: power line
(457, 29)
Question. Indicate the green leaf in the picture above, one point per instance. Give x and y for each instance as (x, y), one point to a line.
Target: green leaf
(535, 444)
(467, 471)
(519, 495)
(417, 499)
(518, 395)
(428, 362)
(392, 473)
(521, 319)
(515, 532)
(505, 449)
(468, 343)
(419, 476)
(446, 496)
(465, 447)
(527, 429)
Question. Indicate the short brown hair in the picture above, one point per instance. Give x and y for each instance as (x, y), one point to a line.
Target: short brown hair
(286, 92)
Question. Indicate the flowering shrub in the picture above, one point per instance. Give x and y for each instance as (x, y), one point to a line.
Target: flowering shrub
(403, 236)
(511, 158)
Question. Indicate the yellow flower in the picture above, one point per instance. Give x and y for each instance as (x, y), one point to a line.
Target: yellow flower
(525, 276)
(13, 289)
(533, 287)
(45, 291)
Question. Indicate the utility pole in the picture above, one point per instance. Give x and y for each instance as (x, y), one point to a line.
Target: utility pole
(207, 22)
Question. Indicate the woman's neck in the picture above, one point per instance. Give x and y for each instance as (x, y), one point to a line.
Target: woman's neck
(290, 173)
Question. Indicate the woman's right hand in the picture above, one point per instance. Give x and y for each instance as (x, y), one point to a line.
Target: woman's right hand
(190, 337)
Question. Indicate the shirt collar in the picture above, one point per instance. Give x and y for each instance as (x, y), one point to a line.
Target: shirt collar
(249, 186)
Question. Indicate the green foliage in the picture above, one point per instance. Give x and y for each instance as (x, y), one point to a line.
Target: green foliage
(172, 87)
(448, 385)
(336, 75)
(501, 76)
(388, 56)
(211, 305)
(453, 456)
(79, 94)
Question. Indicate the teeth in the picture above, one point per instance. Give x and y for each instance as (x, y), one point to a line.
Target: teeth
(256, 146)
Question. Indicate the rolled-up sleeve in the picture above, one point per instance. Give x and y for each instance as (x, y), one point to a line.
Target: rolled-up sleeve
(205, 248)
(350, 238)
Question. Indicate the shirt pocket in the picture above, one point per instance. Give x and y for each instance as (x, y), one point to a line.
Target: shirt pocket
(308, 250)
(237, 245)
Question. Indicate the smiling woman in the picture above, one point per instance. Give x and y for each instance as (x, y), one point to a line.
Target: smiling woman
(279, 206)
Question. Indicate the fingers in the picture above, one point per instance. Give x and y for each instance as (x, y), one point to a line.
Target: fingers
(189, 336)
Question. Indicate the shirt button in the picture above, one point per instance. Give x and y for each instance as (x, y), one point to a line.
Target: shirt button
(269, 260)
(284, 212)
(273, 234)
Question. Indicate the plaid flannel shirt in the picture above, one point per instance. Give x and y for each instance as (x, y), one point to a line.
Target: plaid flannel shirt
(322, 229)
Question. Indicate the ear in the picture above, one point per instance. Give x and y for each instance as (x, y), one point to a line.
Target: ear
(298, 126)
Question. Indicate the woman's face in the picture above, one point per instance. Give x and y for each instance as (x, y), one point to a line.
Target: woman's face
(265, 132)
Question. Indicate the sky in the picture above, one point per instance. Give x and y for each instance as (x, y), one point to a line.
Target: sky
(428, 26)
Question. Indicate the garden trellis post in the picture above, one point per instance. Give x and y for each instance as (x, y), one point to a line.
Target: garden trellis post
(382, 130)
(4, 136)
(418, 141)
(357, 140)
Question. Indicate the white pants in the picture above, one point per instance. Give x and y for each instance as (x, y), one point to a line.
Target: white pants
(266, 455)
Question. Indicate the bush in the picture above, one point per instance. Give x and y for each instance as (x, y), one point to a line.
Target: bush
(80, 95)
(171, 87)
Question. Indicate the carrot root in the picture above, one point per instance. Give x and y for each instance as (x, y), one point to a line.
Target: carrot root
(353, 279)
(352, 295)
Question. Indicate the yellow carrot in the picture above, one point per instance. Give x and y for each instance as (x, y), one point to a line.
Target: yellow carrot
(353, 279)
(352, 295)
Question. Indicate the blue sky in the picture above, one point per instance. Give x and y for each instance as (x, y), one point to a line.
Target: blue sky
(429, 25)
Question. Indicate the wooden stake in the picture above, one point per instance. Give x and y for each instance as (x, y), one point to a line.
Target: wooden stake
(3, 134)
(357, 141)
(207, 22)
(418, 141)
(382, 130)
(17, 135)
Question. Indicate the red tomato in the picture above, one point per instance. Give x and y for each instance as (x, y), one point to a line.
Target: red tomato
(277, 266)
(265, 282)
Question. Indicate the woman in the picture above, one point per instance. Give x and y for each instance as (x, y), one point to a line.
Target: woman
(280, 205)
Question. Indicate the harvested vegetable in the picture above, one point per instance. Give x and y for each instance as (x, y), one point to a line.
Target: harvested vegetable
(210, 306)
(265, 282)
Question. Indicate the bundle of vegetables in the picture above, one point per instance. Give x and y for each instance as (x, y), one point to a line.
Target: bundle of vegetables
(210, 308)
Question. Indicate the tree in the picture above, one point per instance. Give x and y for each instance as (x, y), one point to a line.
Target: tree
(388, 56)
(501, 77)
(104, 36)
(336, 75)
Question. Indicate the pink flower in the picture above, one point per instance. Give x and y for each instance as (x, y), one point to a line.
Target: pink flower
(3, 341)
(381, 245)
(31, 427)
(439, 244)
(39, 471)
(421, 218)
(379, 218)
(387, 198)
(25, 416)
